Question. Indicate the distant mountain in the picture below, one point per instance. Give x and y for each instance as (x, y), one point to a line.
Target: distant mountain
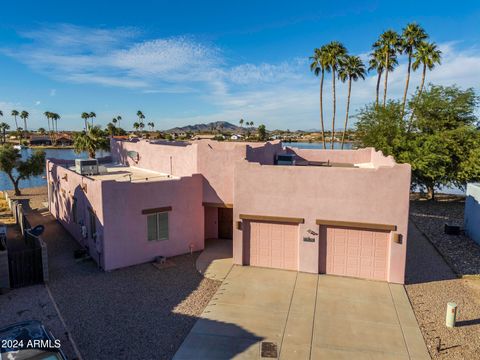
(223, 125)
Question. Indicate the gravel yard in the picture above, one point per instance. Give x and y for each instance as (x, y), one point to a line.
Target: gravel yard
(137, 312)
(431, 283)
(461, 253)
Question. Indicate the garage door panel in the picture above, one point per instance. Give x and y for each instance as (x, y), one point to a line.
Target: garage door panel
(354, 252)
(273, 245)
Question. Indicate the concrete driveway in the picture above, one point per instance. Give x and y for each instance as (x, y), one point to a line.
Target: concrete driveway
(304, 316)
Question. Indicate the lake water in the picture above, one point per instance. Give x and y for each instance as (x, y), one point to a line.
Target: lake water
(69, 154)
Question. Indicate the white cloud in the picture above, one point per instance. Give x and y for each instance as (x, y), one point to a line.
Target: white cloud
(281, 95)
(38, 102)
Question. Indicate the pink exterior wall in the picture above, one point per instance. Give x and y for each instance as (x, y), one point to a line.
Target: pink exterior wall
(379, 196)
(63, 186)
(213, 159)
(126, 231)
(179, 159)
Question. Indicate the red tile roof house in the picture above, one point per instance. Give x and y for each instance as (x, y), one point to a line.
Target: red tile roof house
(342, 212)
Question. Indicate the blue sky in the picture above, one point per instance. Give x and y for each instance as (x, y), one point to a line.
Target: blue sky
(188, 62)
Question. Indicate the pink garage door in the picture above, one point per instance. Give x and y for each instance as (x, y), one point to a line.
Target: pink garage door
(354, 252)
(273, 245)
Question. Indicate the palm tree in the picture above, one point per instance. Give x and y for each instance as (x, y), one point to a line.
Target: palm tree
(351, 68)
(241, 123)
(141, 125)
(119, 118)
(90, 141)
(335, 52)
(428, 55)
(85, 116)
(15, 114)
(388, 45)
(413, 35)
(114, 121)
(55, 117)
(4, 127)
(92, 115)
(377, 62)
(140, 116)
(24, 116)
(151, 125)
(318, 66)
(136, 126)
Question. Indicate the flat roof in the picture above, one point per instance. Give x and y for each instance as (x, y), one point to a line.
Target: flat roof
(122, 173)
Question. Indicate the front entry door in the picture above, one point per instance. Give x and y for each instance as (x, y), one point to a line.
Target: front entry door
(225, 223)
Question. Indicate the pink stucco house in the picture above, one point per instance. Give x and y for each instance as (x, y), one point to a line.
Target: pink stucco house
(342, 212)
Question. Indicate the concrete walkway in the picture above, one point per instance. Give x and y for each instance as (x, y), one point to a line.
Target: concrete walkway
(306, 316)
(216, 259)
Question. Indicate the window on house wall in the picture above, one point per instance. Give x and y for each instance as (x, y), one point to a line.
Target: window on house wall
(93, 224)
(74, 210)
(157, 226)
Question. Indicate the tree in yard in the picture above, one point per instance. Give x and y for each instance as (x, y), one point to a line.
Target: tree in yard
(15, 113)
(41, 130)
(319, 65)
(17, 169)
(351, 68)
(388, 45)
(91, 141)
(3, 128)
(262, 132)
(335, 52)
(85, 116)
(24, 116)
(412, 37)
(443, 146)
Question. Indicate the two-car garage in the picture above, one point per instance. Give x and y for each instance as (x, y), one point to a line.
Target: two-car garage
(356, 251)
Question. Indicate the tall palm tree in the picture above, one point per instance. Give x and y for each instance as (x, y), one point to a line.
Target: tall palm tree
(335, 52)
(427, 55)
(412, 36)
(114, 121)
(85, 116)
(377, 62)
(119, 118)
(55, 117)
(4, 127)
(136, 126)
(388, 45)
(15, 113)
(92, 115)
(141, 117)
(241, 123)
(318, 65)
(24, 116)
(351, 68)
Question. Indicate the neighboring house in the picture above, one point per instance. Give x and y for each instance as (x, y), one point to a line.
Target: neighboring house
(64, 140)
(40, 140)
(236, 137)
(341, 212)
(472, 212)
(204, 137)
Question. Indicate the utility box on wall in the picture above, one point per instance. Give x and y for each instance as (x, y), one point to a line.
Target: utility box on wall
(472, 212)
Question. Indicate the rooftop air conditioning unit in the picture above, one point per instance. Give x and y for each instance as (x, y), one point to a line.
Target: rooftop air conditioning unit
(86, 166)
